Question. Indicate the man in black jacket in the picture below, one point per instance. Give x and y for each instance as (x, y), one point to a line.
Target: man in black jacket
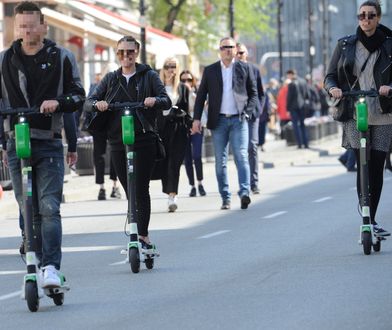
(232, 97)
(35, 72)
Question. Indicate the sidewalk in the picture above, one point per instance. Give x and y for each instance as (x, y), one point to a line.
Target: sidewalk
(276, 154)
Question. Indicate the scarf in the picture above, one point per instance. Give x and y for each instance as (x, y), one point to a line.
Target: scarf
(373, 42)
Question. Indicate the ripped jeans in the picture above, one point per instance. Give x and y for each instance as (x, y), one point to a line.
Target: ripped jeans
(47, 161)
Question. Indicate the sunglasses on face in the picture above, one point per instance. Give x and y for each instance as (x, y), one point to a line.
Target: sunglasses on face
(170, 66)
(240, 53)
(125, 52)
(369, 16)
(186, 80)
(226, 47)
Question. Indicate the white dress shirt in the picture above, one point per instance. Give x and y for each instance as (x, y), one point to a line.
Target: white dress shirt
(228, 106)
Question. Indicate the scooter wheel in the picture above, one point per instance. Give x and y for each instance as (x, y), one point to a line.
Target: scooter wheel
(58, 299)
(377, 246)
(31, 294)
(149, 263)
(134, 260)
(367, 242)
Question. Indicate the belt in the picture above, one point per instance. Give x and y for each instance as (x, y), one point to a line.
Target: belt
(227, 116)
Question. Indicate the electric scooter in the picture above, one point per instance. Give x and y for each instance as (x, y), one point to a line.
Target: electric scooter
(31, 290)
(368, 239)
(134, 252)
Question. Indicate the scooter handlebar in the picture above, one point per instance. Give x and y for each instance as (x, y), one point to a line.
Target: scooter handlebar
(125, 105)
(360, 93)
(20, 111)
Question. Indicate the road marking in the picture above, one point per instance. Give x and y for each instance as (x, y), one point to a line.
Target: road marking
(5, 252)
(322, 199)
(214, 234)
(11, 295)
(274, 215)
(119, 262)
(12, 272)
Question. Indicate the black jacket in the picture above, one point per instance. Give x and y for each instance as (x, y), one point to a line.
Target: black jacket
(146, 84)
(244, 89)
(340, 71)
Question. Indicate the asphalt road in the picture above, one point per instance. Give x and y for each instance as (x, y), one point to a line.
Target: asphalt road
(291, 261)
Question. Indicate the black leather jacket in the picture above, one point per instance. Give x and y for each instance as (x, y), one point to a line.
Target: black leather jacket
(340, 71)
(148, 84)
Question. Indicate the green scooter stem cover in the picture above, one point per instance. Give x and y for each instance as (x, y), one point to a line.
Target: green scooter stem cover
(22, 138)
(362, 116)
(128, 130)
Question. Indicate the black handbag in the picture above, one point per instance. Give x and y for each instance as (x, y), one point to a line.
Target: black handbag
(160, 149)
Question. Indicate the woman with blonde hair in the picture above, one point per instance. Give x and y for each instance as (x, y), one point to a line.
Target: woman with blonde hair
(174, 128)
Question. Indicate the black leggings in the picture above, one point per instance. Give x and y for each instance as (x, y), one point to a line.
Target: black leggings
(376, 178)
(143, 166)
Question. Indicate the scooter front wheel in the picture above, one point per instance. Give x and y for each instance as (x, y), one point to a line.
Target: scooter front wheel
(31, 294)
(367, 242)
(134, 260)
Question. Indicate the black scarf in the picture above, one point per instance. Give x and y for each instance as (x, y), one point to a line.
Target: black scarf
(373, 42)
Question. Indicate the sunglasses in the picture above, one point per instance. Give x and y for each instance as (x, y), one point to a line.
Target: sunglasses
(187, 80)
(370, 16)
(125, 52)
(240, 53)
(170, 67)
(226, 47)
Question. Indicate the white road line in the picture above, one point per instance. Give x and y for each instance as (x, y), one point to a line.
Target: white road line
(12, 272)
(322, 199)
(10, 295)
(214, 234)
(274, 215)
(4, 252)
(119, 263)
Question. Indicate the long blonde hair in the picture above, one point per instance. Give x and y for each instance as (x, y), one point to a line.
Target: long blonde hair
(176, 79)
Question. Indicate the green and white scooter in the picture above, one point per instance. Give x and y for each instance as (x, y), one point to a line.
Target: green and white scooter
(134, 252)
(367, 237)
(31, 290)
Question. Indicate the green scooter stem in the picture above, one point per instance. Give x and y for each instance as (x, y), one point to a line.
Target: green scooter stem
(362, 115)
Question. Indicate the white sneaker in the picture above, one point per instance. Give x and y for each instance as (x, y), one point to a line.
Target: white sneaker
(51, 277)
(172, 203)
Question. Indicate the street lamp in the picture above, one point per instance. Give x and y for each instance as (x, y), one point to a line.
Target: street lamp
(280, 47)
(311, 49)
(142, 21)
(231, 17)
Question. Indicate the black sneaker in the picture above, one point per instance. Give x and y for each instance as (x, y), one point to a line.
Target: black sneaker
(193, 192)
(378, 231)
(147, 248)
(115, 193)
(102, 194)
(245, 201)
(225, 205)
(255, 190)
(202, 192)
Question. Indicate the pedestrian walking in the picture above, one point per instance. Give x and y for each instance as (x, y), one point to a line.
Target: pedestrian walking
(281, 102)
(363, 61)
(195, 141)
(254, 121)
(232, 97)
(131, 82)
(36, 72)
(174, 127)
(297, 95)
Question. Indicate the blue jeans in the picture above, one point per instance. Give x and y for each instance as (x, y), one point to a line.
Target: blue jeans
(299, 128)
(47, 163)
(236, 132)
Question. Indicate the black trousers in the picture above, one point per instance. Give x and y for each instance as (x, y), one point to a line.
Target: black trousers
(175, 139)
(144, 163)
(376, 178)
(100, 143)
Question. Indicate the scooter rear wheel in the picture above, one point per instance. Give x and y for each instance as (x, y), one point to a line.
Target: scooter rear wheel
(134, 260)
(58, 299)
(31, 294)
(377, 246)
(367, 242)
(149, 263)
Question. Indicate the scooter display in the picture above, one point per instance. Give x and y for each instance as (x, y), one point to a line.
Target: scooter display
(32, 289)
(368, 239)
(134, 251)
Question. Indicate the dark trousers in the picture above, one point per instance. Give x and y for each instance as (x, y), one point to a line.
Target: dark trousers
(297, 118)
(175, 139)
(193, 156)
(144, 163)
(252, 152)
(376, 178)
(100, 143)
